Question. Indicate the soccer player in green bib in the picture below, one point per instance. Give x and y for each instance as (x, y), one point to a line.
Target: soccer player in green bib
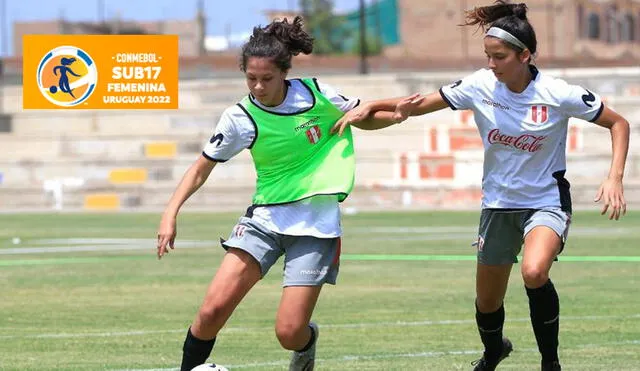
(303, 172)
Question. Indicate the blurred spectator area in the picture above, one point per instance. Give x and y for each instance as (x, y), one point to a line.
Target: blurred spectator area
(134, 159)
(114, 159)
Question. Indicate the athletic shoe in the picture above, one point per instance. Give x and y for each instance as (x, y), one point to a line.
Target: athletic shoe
(304, 361)
(483, 364)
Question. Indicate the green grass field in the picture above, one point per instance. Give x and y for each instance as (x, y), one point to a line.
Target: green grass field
(404, 299)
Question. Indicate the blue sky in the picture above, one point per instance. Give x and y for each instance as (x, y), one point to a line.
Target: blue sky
(220, 13)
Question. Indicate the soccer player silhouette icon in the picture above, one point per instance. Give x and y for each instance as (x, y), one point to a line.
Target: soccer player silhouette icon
(63, 82)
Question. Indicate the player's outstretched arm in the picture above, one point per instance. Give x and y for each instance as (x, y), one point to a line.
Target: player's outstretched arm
(192, 180)
(382, 119)
(611, 191)
(382, 113)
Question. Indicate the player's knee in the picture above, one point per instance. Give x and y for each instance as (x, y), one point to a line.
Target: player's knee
(534, 276)
(288, 335)
(488, 305)
(211, 312)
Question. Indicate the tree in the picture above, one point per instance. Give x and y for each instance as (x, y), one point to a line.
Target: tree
(373, 46)
(328, 29)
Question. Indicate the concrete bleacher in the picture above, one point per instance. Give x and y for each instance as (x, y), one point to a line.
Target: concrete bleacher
(125, 160)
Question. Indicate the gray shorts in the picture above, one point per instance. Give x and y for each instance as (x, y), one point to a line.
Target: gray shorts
(308, 261)
(502, 231)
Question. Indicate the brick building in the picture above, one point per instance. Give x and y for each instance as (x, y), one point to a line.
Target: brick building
(566, 29)
(425, 35)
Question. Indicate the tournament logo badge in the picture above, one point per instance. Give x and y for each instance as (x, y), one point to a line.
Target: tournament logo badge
(67, 76)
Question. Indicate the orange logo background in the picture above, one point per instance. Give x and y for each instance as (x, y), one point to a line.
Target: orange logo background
(129, 72)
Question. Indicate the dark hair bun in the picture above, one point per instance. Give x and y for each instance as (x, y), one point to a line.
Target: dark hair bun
(520, 10)
(292, 35)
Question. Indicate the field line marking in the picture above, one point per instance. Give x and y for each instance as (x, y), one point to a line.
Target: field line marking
(344, 257)
(345, 325)
(426, 354)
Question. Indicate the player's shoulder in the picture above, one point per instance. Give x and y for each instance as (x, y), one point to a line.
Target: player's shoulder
(301, 86)
(300, 82)
(554, 89)
(482, 79)
(305, 82)
(235, 111)
(235, 116)
(553, 86)
(324, 88)
(551, 82)
(484, 74)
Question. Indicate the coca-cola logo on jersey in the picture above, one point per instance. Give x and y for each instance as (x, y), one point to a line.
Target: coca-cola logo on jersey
(524, 142)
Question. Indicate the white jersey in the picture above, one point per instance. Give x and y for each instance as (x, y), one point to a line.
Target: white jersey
(318, 216)
(524, 135)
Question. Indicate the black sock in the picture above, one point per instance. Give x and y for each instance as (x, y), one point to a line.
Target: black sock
(544, 307)
(195, 351)
(490, 329)
(312, 339)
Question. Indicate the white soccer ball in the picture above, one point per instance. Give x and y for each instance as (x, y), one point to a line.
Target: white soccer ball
(209, 367)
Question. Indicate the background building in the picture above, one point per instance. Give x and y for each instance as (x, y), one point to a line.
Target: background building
(568, 31)
(192, 32)
(437, 160)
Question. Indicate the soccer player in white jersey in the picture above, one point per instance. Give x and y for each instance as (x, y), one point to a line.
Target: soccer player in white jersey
(522, 116)
(303, 173)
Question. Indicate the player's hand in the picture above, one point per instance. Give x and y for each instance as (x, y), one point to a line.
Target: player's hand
(358, 114)
(406, 106)
(166, 235)
(612, 194)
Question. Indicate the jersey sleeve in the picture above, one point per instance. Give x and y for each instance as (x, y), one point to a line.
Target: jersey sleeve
(235, 131)
(459, 95)
(579, 102)
(343, 103)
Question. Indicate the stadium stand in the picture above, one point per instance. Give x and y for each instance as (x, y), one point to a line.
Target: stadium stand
(133, 159)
